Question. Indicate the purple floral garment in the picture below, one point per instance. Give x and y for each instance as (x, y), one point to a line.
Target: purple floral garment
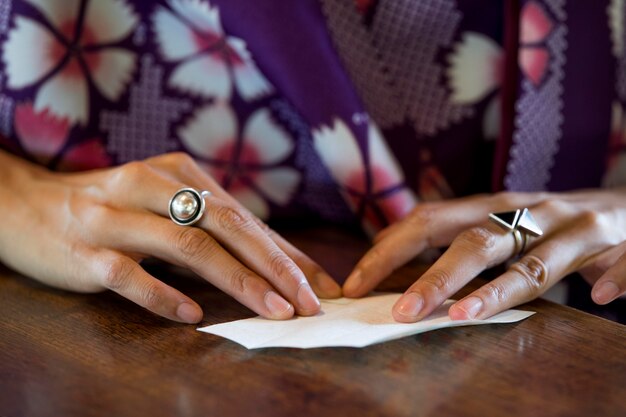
(347, 110)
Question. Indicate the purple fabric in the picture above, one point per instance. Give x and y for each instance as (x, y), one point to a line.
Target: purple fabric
(389, 71)
(589, 89)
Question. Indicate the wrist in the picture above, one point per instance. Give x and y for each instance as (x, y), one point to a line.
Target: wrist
(16, 171)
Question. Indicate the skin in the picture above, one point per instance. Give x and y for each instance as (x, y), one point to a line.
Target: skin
(88, 232)
(584, 232)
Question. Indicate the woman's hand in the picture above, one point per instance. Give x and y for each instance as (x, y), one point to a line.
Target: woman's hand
(583, 232)
(87, 232)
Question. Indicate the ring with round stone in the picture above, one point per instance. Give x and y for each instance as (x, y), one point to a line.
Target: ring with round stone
(187, 205)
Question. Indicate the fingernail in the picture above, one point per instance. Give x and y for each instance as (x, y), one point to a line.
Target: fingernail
(606, 292)
(307, 299)
(410, 305)
(189, 313)
(471, 306)
(327, 285)
(276, 304)
(353, 283)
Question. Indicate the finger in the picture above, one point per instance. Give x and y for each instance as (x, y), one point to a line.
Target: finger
(524, 281)
(232, 226)
(189, 172)
(124, 276)
(323, 284)
(430, 225)
(193, 248)
(237, 231)
(612, 284)
(184, 169)
(554, 257)
(403, 242)
(387, 231)
(470, 253)
(598, 265)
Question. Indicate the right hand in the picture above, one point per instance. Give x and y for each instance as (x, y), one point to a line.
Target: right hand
(88, 231)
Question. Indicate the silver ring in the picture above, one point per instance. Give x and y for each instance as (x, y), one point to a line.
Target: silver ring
(521, 239)
(187, 205)
(520, 223)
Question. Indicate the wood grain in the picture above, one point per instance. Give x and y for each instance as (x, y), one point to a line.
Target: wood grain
(64, 354)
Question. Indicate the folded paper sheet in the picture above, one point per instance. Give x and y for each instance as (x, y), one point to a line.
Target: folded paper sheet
(344, 322)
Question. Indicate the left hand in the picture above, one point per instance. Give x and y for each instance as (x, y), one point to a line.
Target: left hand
(583, 232)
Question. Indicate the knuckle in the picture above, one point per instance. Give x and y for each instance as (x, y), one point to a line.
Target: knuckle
(232, 219)
(438, 280)
(376, 255)
(421, 215)
(281, 266)
(533, 271)
(479, 239)
(510, 200)
(507, 199)
(497, 292)
(553, 205)
(590, 219)
(265, 228)
(182, 159)
(376, 260)
(94, 216)
(152, 297)
(125, 178)
(135, 171)
(193, 244)
(116, 273)
(238, 280)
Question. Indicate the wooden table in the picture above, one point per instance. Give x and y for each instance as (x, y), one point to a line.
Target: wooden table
(65, 354)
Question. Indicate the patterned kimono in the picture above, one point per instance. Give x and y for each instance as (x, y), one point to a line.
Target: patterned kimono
(347, 110)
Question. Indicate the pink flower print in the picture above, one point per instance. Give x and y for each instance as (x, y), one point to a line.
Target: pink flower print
(209, 63)
(41, 134)
(364, 6)
(44, 135)
(63, 61)
(375, 192)
(535, 27)
(90, 154)
(432, 185)
(247, 163)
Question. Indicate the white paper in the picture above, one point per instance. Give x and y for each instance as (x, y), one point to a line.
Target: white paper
(344, 322)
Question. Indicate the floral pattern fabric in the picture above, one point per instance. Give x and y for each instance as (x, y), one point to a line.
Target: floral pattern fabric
(350, 110)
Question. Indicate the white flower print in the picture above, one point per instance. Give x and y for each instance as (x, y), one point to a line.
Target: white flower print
(383, 198)
(475, 68)
(477, 64)
(64, 59)
(475, 72)
(209, 62)
(246, 163)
